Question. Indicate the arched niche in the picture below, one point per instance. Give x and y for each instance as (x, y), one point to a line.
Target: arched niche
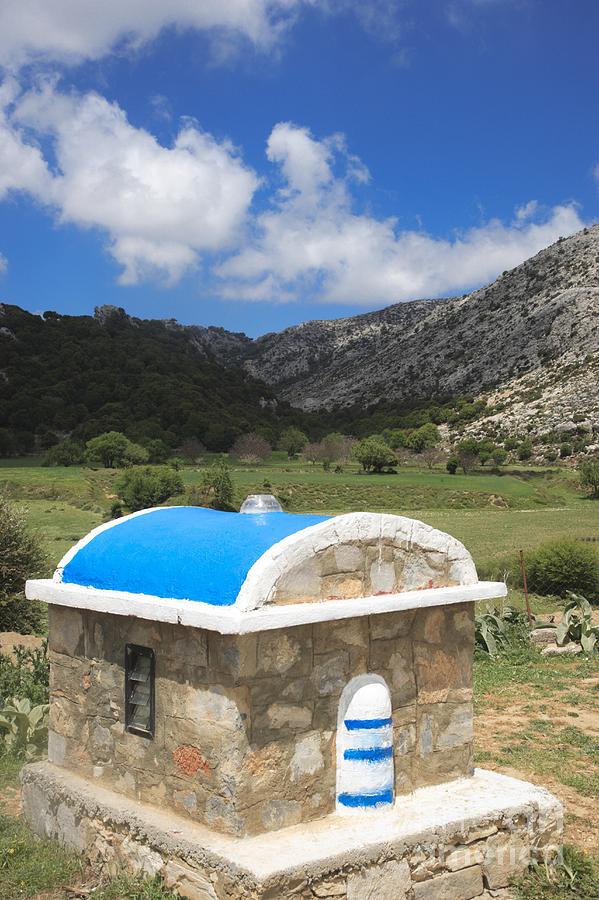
(365, 768)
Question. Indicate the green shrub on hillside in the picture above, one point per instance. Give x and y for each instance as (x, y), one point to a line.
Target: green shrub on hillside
(215, 490)
(21, 557)
(562, 566)
(67, 453)
(146, 486)
(525, 450)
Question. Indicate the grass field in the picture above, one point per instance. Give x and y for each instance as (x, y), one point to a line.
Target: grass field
(492, 514)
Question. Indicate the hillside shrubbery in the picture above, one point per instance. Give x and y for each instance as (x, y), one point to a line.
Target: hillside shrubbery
(21, 557)
(562, 566)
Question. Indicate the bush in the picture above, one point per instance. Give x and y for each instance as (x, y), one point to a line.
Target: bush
(67, 453)
(524, 451)
(143, 487)
(216, 489)
(26, 675)
(21, 557)
(565, 450)
(158, 451)
(589, 477)
(452, 465)
(562, 566)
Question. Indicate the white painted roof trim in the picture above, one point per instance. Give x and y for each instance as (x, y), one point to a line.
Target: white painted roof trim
(232, 620)
(261, 580)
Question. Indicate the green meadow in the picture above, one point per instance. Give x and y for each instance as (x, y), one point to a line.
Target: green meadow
(493, 514)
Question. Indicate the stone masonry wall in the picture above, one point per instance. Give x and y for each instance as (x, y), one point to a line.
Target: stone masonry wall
(245, 725)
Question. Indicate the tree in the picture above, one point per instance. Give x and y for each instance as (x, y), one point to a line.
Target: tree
(292, 441)
(485, 450)
(467, 453)
(425, 437)
(431, 456)
(21, 557)
(374, 455)
(250, 448)
(158, 451)
(311, 452)
(67, 453)
(334, 448)
(216, 488)
(499, 456)
(589, 476)
(191, 449)
(145, 486)
(114, 450)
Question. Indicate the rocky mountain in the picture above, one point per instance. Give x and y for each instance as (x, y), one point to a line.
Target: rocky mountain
(528, 343)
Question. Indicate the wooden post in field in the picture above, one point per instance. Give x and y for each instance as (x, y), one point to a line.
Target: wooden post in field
(525, 589)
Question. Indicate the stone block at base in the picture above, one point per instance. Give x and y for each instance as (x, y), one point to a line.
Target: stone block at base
(454, 841)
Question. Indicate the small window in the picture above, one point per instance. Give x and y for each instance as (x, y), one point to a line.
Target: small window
(139, 690)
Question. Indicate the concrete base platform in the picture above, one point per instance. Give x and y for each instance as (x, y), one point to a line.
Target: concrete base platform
(455, 841)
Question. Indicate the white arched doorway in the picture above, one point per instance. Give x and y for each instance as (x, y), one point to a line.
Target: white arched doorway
(365, 771)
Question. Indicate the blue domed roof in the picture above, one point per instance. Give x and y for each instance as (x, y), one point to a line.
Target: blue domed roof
(180, 552)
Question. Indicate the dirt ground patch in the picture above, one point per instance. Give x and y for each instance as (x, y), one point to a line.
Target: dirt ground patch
(11, 639)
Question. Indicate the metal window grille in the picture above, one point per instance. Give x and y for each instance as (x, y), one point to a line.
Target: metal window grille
(139, 690)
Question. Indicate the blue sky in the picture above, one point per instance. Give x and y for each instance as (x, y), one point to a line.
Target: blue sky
(257, 163)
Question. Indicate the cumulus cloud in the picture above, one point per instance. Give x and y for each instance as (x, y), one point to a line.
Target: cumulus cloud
(70, 31)
(165, 210)
(22, 166)
(311, 243)
(161, 207)
(527, 210)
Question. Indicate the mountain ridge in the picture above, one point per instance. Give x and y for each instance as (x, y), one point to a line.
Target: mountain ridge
(527, 344)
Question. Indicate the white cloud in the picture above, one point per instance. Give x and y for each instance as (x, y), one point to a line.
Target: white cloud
(312, 244)
(160, 206)
(527, 210)
(3, 264)
(22, 166)
(70, 31)
(166, 209)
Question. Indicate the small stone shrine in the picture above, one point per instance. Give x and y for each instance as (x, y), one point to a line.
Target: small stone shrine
(275, 706)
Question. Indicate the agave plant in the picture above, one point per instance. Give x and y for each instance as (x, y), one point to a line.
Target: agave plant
(25, 727)
(576, 625)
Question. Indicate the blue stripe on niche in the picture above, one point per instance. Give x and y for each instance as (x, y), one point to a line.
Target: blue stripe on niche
(371, 754)
(359, 724)
(366, 800)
